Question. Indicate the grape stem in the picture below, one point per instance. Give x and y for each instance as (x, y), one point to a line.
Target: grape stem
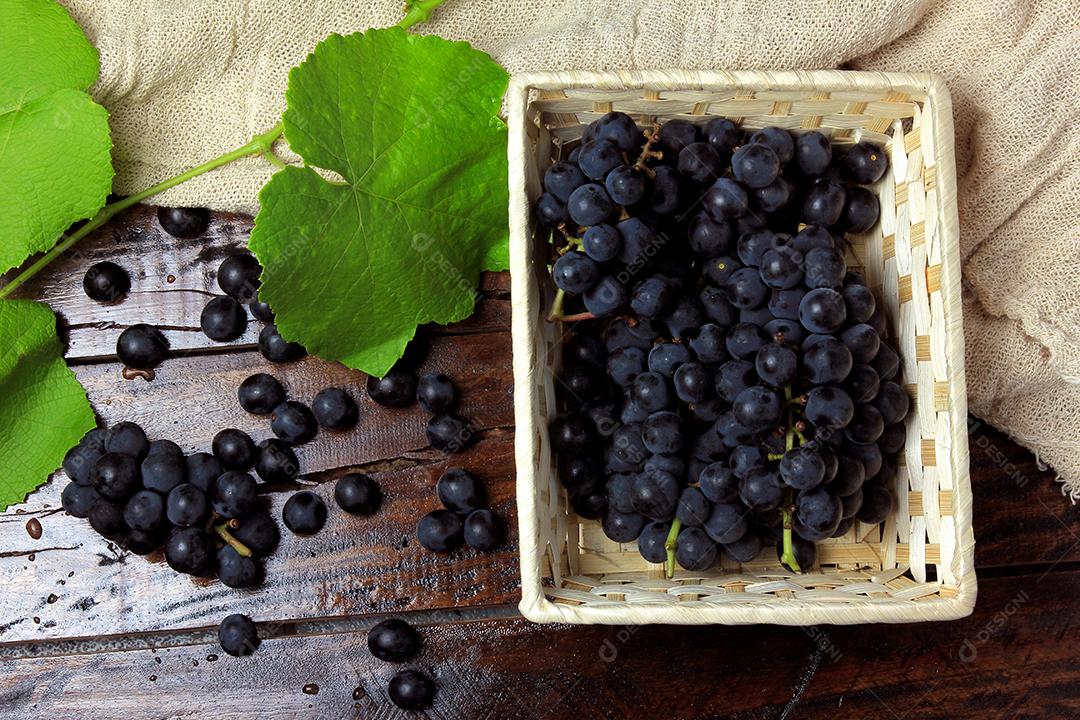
(557, 305)
(418, 11)
(790, 436)
(578, 317)
(669, 546)
(261, 144)
(240, 548)
(788, 556)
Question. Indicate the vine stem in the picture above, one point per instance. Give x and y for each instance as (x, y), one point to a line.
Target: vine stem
(261, 144)
(669, 546)
(418, 11)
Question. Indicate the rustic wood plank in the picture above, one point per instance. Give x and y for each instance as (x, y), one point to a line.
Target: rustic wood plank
(172, 279)
(1020, 514)
(1015, 657)
(72, 582)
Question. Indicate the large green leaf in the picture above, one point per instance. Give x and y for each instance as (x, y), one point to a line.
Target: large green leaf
(55, 167)
(44, 410)
(410, 126)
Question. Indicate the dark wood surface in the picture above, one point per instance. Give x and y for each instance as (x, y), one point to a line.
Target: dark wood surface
(87, 631)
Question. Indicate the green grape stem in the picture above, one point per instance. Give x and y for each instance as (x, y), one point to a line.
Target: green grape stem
(223, 531)
(418, 11)
(791, 435)
(261, 144)
(669, 546)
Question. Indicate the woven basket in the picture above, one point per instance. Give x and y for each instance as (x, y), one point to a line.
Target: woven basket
(918, 565)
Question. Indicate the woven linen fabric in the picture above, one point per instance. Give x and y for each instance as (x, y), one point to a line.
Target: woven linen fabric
(187, 81)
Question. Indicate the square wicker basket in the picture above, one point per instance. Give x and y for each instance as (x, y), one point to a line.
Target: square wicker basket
(916, 566)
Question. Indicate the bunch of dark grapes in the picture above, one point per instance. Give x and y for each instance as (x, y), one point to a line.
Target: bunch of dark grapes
(203, 510)
(728, 384)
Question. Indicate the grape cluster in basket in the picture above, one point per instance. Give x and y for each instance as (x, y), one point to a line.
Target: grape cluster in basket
(726, 383)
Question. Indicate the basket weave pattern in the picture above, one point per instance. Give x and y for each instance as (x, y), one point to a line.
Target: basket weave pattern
(918, 565)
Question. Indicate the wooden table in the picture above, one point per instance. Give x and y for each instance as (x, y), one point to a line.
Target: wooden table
(89, 631)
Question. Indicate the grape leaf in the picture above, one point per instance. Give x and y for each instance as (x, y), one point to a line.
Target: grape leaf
(45, 411)
(55, 167)
(410, 126)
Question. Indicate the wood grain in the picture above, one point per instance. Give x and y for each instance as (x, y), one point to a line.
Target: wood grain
(72, 582)
(1015, 658)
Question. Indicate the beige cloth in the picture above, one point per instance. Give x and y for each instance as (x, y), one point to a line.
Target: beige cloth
(187, 81)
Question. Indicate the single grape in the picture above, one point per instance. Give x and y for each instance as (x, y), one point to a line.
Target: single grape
(886, 363)
(693, 383)
(189, 550)
(142, 346)
(746, 290)
(877, 503)
(774, 196)
(238, 635)
(700, 163)
(866, 425)
(461, 491)
(663, 433)
(718, 483)
(851, 504)
(622, 527)
(234, 494)
(725, 200)
(693, 508)
(716, 271)
(776, 364)
(395, 389)
(893, 438)
(695, 551)
(187, 506)
(334, 409)
(259, 534)
(145, 511)
(562, 178)
(483, 530)
(234, 449)
(276, 462)
(761, 489)
(261, 311)
(570, 435)
(805, 553)
(753, 245)
(781, 267)
(813, 236)
(859, 302)
(435, 392)
(411, 690)
(235, 570)
(710, 344)
(684, 319)
(892, 402)
(723, 135)
(655, 494)
(778, 140)
(665, 191)
(602, 242)
(757, 408)
(674, 136)
(162, 472)
(827, 362)
(709, 238)
(755, 165)
(238, 277)
(202, 469)
(590, 205)
(575, 272)
(619, 128)
(822, 310)
(651, 542)
(819, 510)
(823, 204)
(550, 211)
(597, 158)
(78, 499)
(223, 319)
(813, 153)
(727, 523)
(745, 548)
(865, 162)
(115, 476)
(449, 433)
(607, 296)
(304, 513)
(802, 468)
(394, 641)
(862, 383)
(652, 296)
(184, 222)
(277, 349)
(850, 475)
(861, 210)
(106, 282)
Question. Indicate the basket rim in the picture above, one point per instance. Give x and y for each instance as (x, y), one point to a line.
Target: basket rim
(534, 605)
